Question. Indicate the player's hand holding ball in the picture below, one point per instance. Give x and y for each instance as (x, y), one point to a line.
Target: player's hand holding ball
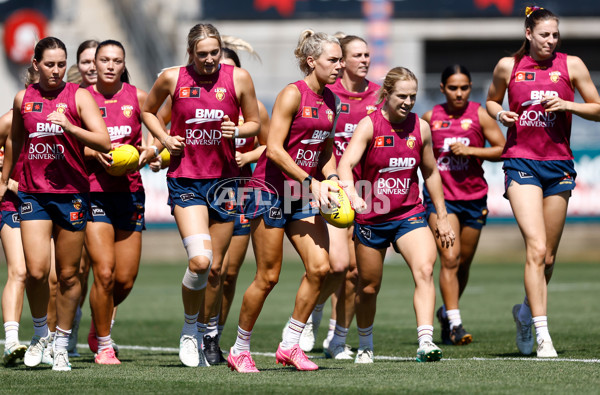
(340, 215)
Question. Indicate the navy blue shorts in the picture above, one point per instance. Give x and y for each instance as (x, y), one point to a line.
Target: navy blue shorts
(218, 195)
(70, 211)
(380, 236)
(10, 219)
(123, 210)
(552, 176)
(471, 213)
(277, 212)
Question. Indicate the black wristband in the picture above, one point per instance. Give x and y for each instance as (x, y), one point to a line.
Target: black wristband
(329, 177)
(308, 180)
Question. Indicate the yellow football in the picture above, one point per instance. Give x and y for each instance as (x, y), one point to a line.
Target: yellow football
(166, 157)
(124, 158)
(340, 217)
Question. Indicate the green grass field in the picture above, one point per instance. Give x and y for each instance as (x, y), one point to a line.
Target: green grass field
(152, 317)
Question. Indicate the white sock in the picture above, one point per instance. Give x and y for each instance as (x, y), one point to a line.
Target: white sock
(200, 332)
(211, 327)
(242, 341)
(425, 333)
(11, 330)
(317, 316)
(365, 337)
(541, 328)
(104, 342)
(189, 326)
(331, 329)
(525, 312)
(339, 335)
(40, 326)
(454, 318)
(292, 335)
(61, 339)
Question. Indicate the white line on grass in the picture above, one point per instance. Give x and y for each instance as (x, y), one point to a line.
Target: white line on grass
(378, 357)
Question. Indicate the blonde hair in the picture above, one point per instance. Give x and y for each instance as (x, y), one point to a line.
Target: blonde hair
(198, 33)
(311, 44)
(73, 75)
(31, 76)
(394, 75)
(237, 44)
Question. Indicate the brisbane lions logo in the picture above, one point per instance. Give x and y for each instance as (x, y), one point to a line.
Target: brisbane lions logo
(127, 111)
(61, 108)
(220, 93)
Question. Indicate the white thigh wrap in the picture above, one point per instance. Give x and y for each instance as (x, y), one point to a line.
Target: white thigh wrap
(194, 246)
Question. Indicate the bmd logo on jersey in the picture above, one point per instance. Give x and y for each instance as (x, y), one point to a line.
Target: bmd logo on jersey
(524, 76)
(310, 112)
(61, 108)
(344, 108)
(438, 125)
(189, 92)
(220, 93)
(127, 111)
(103, 112)
(554, 76)
(384, 141)
(33, 107)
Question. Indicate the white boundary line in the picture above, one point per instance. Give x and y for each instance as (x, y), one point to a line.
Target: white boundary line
(378, 357)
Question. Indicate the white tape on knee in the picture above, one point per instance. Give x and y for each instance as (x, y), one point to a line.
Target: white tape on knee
(194, 246)
(194, 281)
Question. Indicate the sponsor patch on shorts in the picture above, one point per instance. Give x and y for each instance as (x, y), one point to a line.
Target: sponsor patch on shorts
(366, 232)
(186, 196)
(98, 212)
(522, 174)
(26, 208)
(275, 213)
